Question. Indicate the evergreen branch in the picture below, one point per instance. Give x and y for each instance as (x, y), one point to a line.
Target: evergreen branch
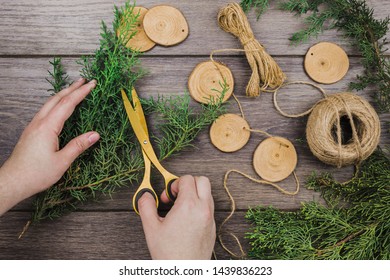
(261, 6)
(340, 243)
(58, 78)
(355, 225)
(116, 160)
(110, 178)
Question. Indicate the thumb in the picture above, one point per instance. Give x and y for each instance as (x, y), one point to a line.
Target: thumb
(148, 212)
(78, 145)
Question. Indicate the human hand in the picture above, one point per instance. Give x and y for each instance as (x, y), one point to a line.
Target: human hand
(37, 162)
(188, 230)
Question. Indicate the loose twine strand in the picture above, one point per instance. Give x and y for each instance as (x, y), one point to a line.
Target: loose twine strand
(233, 207)
(259, 181)
(265, 71)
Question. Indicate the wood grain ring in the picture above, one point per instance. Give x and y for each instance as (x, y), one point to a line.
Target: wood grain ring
(229, 133)
(204, 81)
(165, 25)
(326, 63)
(140, 41)
(275, 159)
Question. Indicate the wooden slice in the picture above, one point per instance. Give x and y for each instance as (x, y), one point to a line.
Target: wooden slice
(205, 81)
(326, 63)
(275, 159)
(139, 41)
(229, 133)
(165, 25)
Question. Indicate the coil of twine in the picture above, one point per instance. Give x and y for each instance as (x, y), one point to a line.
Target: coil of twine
(325, 118)
(324, 131)
(265, 71)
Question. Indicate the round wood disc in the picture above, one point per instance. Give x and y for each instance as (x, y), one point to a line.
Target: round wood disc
(139, 41)
(229, 133)
(165, 25)
(204, 81)
(326, 63)
(275, 159)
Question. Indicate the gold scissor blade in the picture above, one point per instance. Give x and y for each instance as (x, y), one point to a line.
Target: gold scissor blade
(138, 109)
(139, 131)
(133, 117)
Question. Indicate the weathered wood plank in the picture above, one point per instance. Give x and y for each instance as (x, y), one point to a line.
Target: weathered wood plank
(110, 229)
(23, 91)
(91, 235)
(72, 27)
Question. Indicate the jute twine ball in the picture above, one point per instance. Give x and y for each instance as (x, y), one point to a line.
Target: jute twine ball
(275, 159)
(139, 41)
(229, 133)
(324, 131)
(205, 81)
(165, 25)
(326, 63)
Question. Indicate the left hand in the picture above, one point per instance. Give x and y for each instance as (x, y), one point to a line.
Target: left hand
(37, 162)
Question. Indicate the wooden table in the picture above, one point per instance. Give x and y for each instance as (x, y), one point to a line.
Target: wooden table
(32, 32)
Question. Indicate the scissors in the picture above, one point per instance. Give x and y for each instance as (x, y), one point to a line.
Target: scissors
(138, 122)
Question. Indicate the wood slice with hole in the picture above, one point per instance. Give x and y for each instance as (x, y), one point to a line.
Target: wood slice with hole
(229, 133)
(275, 159)
(326, 63)
(140, 41)
(206, 80)
(165, 25)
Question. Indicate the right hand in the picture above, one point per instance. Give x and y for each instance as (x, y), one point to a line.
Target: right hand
(188, 231)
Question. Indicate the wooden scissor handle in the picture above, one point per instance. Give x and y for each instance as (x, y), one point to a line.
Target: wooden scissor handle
(139, 194)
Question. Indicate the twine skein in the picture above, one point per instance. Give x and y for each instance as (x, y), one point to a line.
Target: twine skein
(265, 71)
(324, 130)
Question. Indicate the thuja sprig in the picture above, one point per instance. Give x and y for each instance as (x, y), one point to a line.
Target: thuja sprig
(261, 6)
(58, 78)
(357, 22)
(180, 123)
(116, 160)
(354, 225)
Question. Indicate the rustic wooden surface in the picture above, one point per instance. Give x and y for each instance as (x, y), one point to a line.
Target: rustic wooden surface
(33, 31)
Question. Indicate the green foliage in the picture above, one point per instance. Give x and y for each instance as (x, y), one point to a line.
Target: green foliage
(179, 123)
(116, 160)
(261, 6)
(357, 22)
(59, 79)
(355, 223)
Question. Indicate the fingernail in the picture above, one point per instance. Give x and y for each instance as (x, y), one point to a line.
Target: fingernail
(93, 138)
(81, 79)
(92, 84)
